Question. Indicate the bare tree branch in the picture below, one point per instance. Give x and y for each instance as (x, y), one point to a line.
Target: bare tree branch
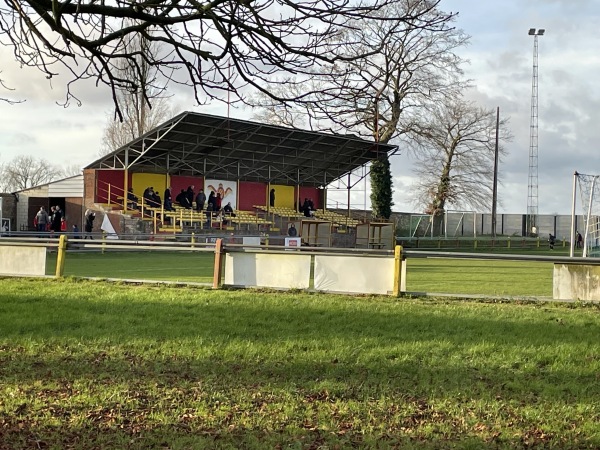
(411, 63)
(142, 109)
(258, 39)
(4, 86)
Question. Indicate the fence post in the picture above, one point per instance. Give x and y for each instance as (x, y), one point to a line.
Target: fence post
(538, 242)
(398, 279)
(103, 242)
(508, 243)
(193, 239)
(60, 258)
(218, 264)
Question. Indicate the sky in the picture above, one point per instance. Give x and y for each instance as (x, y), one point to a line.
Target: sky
(500, 57)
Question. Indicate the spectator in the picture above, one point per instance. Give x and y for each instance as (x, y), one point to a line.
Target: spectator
(156, 201)
(89, 223)
(578, 240)
(307, 208)
(75, 232)
(148, 197)
(218, 200)
(183, 200)
(292, 231)
(551, 240)
(41, 219)
(168, 200)
(56, 219)
(228, 210)
(190, 195)
(132, 200)
(209, 212)
(272, 198)
(211, 200)
(200, 200)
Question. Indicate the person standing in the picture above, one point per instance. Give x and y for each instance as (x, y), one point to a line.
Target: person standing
(272, 198)
(89, 223)
(578, 240)
(190, 194)
(42, 219)
(200, 200)
(168, 200)
(57, 219)
(211, 201)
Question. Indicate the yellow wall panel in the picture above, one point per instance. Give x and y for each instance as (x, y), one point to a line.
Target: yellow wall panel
(284, 195)
(141, 181)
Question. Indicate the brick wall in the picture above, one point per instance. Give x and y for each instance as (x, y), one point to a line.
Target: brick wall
(9, 209)
(89, 188)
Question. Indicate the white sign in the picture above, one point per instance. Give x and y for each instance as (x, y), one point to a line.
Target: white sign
(293, 242)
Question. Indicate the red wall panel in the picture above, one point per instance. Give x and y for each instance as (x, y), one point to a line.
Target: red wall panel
(179, 182)
(251, 193)
(115, 179)
(314, 193)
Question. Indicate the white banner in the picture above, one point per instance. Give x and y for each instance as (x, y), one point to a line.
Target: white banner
(227, 189)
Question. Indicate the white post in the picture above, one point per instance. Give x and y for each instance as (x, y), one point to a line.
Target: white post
(589, 213)
(573, 205)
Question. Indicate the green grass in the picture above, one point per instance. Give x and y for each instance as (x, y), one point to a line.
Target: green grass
(480, 277)
(452, 276)
(157, 265)
(97, 365)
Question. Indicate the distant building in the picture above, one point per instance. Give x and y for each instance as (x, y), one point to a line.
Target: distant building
(66, 193)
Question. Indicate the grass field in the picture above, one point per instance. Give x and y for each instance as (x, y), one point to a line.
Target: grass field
(453, 276)
(98, 365)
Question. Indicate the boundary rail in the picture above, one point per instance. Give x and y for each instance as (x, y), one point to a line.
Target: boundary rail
(62, 245)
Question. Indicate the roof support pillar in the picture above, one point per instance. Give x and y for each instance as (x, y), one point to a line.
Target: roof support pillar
(125, 180)
(349, 189)
(269, 190)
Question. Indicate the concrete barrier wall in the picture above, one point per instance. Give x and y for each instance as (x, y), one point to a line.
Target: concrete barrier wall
(332, 273)
(576, 282)
(267, 270)
(24, 261)
(354, 274)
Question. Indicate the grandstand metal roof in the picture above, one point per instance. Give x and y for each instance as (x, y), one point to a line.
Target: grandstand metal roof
(223, 148)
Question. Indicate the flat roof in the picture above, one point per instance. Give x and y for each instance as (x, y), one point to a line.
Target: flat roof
(217, 147)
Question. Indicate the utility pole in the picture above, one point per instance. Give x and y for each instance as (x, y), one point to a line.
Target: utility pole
(495, 187)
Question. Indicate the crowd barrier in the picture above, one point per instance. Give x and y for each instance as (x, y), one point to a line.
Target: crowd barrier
(353, 271)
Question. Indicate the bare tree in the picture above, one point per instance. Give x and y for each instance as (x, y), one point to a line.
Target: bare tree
(408, 66)
(143, 108)
(379, 96)
(455, 149)
(71, 170)
(24, 172)
(220, 46)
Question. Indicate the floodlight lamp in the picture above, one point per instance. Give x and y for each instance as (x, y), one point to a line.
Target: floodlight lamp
(541, 32)
(531, 31)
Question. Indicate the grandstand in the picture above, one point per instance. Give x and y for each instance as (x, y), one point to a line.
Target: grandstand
(243, 161)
